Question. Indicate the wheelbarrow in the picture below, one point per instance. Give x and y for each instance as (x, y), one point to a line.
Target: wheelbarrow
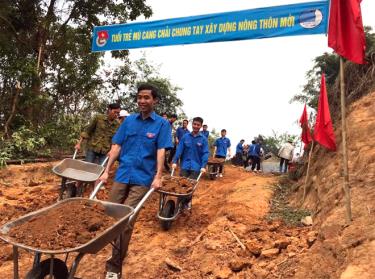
(76, 175)
(172, 204)
(55, 267)
(213, 168)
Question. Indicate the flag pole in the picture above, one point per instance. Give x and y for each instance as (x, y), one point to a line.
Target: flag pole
(307, 172)
(344, 146)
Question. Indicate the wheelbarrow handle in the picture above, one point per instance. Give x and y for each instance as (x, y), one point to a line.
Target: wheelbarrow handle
(105, 161)
(199, 176)
(96, 190)
(140, 204)
(75, 153)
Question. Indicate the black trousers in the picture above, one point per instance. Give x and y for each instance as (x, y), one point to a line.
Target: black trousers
(221, 165)
(255, 162)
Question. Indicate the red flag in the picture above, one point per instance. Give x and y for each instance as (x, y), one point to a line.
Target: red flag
(304, 122)
(345, 32)
(323, 131)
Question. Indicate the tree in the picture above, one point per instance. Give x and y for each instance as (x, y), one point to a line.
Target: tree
(329, 63)
(143, 72)
(45, 45)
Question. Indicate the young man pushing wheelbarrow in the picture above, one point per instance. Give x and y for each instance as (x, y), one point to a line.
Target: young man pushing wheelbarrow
(140, 145)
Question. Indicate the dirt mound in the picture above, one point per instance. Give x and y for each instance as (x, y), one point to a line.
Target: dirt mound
(66, 226)
(180, 185)
(343, 251)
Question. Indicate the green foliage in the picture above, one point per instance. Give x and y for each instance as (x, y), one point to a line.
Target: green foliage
(144, 72)
(60, 93)
(25, 141)
(273, 143)
(329, 63)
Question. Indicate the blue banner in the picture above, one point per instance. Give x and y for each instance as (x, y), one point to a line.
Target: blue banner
(289, 20)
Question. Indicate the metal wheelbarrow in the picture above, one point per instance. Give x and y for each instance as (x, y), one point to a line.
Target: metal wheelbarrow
(76, 175)
(213, 168)
(57, 268)
(172, 204)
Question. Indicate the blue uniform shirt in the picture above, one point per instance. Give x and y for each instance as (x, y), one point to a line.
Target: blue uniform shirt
(140, 139)
(193, 151)
(205, 133)
(181, 132)
(239, 148)
(222, 145)
(254, 150)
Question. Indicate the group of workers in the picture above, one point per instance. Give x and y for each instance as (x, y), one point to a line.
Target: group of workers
(144, 143)
(250, 156)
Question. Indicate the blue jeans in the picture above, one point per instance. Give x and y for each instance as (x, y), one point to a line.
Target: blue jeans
(92, 157)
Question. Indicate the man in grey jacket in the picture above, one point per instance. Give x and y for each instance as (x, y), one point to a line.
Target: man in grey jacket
(286, 154)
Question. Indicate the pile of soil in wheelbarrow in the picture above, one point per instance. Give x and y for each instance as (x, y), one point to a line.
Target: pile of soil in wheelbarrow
(67, 226)
(216, 160)
(179, 185)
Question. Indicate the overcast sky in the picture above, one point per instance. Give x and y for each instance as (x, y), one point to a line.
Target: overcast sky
(242, 86)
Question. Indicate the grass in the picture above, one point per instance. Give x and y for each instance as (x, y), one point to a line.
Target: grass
(280, 208)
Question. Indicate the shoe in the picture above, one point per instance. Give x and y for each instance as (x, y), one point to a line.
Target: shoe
(187, 206)
(112, 275)
(220, 175)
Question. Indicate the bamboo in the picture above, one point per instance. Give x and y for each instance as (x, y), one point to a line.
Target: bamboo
(307, 172)
(344, 146)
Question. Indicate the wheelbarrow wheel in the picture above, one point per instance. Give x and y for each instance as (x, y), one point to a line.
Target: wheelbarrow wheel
(167, 212)
(60, 270)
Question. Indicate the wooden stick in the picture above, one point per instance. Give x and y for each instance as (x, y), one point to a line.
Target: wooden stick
(237, 239)
(197, 239)
(307, 172)
(344, 147)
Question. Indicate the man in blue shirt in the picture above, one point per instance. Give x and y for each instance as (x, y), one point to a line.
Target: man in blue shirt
(140, 145)
(222, 147)
(254, 155)
(205, 132)
(193, 151)
(239, 153)
(181, 131)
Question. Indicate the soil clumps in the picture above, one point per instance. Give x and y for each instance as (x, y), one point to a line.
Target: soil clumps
(66, 226)
(180, 185)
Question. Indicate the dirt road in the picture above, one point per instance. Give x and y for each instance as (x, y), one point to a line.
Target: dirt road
(200, 243)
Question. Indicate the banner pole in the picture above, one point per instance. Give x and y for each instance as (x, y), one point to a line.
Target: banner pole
(307, 172)
(344, 146)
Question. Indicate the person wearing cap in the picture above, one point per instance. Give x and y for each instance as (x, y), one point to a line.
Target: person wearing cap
(98, 134)
(205, 132)
(193, 152)
(140, 145)
(123, 115)
(286, 154)
(222, 148)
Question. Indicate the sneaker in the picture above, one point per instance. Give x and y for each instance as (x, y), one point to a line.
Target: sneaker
(187, 206)
(112, 275)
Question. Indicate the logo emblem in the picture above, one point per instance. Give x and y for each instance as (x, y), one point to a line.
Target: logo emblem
(150, 135)
(102, 38)
(310, 19)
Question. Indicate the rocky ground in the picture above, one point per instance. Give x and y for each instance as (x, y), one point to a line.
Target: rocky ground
(226, 235)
